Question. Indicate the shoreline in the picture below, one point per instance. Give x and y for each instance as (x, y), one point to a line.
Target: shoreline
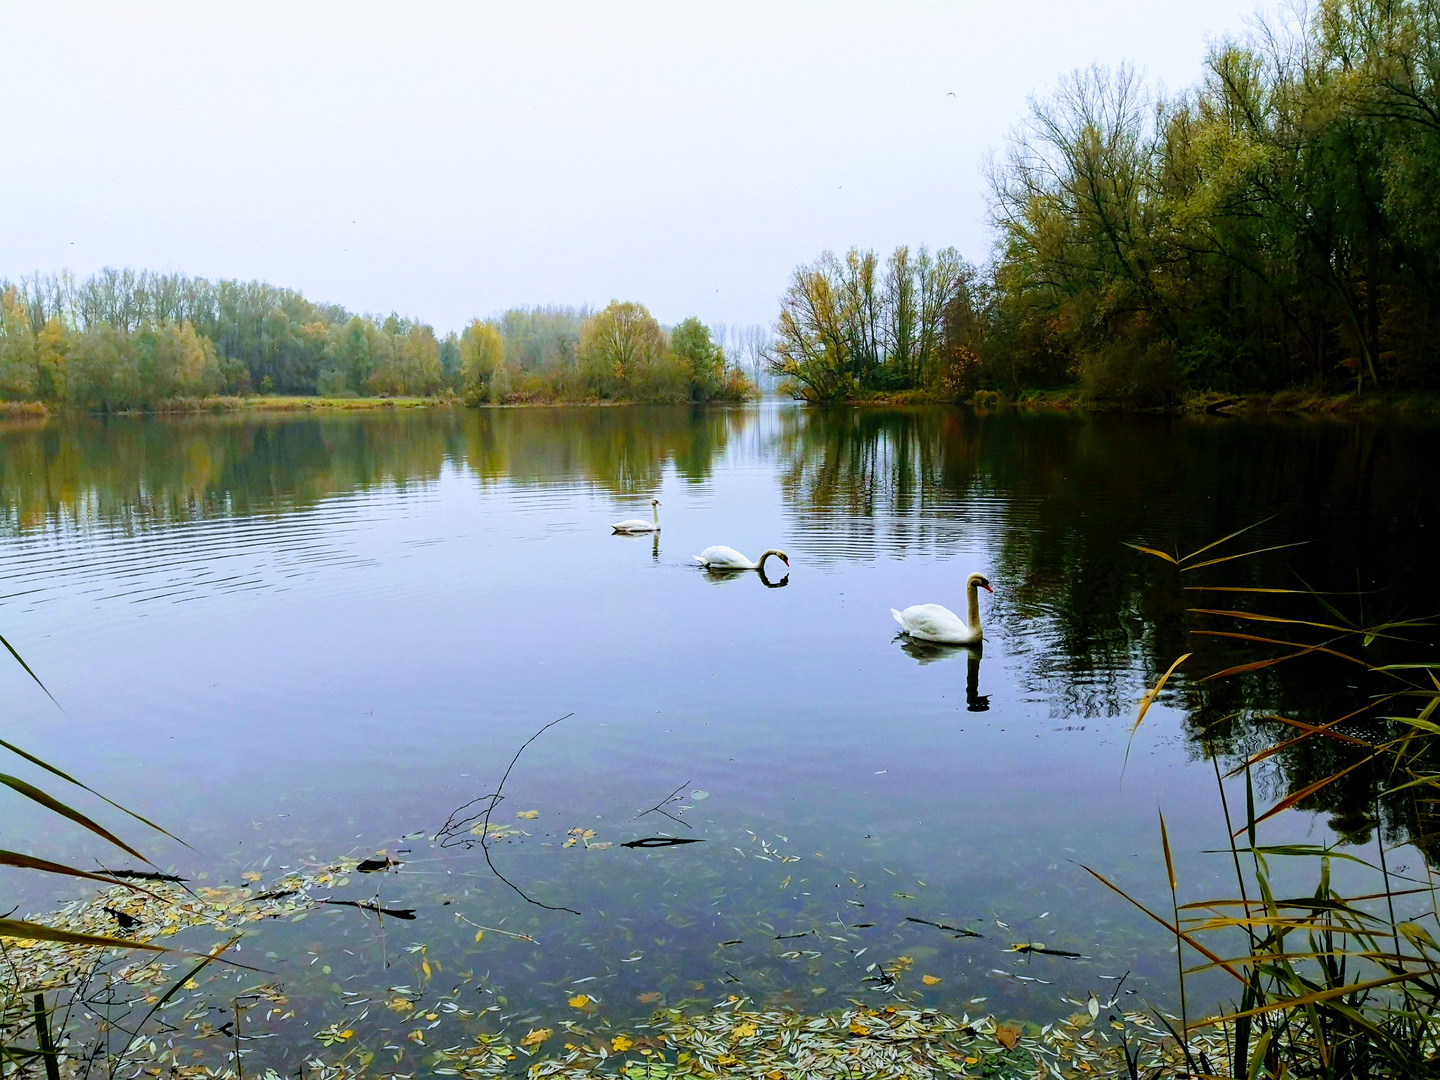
(1257, 404)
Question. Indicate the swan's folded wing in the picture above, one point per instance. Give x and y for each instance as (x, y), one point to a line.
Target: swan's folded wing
(932, 621)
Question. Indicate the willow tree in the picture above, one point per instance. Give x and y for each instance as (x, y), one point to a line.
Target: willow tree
(621, 350)
(483, 375)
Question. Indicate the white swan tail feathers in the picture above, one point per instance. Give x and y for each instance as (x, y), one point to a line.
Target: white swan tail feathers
(899, 618)
(698, 559)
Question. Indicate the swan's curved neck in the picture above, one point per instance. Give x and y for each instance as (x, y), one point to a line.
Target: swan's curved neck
(974, 591)
(761, 564)
(655, 514)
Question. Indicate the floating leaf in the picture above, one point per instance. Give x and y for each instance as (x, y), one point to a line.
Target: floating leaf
(579, 1001)
(620, 1043)
(529, 815)
(929, 980)
(1007, 1035)
(536, 1036)
(699, 794)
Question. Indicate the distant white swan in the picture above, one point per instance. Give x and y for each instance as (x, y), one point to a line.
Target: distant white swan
(640, 525)
(931, 622)
(721, 557)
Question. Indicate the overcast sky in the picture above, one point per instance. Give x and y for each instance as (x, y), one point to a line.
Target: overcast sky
(452, 160)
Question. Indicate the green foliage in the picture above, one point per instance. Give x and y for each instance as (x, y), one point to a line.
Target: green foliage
(701, 360)
(127, 340)
(483, 375)
(1271, 227)
(623, 352)
(847, 325)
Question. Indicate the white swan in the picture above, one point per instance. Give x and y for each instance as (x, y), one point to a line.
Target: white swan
(640, 525)
(931, 622)
(720, 557)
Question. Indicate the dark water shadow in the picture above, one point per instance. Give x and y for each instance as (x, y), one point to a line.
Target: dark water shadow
(716, 576)
(929, 652)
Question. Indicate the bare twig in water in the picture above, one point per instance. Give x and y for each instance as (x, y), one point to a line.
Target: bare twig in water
(959, 931)
(497, 930)
(371, 905)
(659, 808)
(661, 841)
(449, 832)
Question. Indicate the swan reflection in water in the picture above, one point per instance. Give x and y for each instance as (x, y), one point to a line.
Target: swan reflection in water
(718, 576)
(927, 652)
(654, 541)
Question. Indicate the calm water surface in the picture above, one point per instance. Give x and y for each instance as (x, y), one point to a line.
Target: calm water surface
(289, 639)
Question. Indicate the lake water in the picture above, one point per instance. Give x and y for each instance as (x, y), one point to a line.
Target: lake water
(292, 638)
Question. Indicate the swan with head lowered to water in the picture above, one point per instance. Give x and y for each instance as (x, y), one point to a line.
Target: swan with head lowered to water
(640, 525)
(931, 622)
(720, 557)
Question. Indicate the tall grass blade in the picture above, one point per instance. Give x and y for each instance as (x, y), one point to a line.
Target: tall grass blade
(21, 661)
(1242, 555)
(1327, 995)
(1153, 551)
(40, 763)
(42, 1038)
(1305, 792)
(45, 866)
(1146, 702)
(1320, 599)
(1179, 943)
(35, 794)
(1223, 539)
(32, 931)
(1196, 945)
(1257, 617)
(205, 961)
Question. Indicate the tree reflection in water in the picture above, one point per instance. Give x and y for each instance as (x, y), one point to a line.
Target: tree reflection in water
(1051, 499)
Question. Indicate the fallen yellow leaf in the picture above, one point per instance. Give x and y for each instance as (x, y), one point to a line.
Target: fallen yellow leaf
(528, 814)
(621, 1043)
(536, 1037)
(479, 934)
(251, 875)
(745, 1030)
(929, 980)
(1007, 1035)
(416, 1036)
(857, 1028)
(579, 1001)
(425, 967)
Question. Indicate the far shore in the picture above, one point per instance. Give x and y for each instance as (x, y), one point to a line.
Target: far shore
(1285, 402)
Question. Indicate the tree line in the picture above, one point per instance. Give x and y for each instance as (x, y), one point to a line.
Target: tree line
(126, 339)
(1270, 227)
